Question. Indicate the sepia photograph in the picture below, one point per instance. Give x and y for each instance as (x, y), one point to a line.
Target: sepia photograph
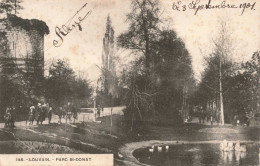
(129, 82)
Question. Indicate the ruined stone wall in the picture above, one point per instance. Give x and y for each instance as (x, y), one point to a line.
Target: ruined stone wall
(21, 60)
(26, 48)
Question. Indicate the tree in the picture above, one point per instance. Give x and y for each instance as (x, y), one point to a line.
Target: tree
(108, 93)
(219, 66)
(140, 37)
(81, 92)
(10, 6)
(143, 31)
(252, 77)
(58, 84)
(159, 78)
(175, 75)
(62, 86)
(242, 96)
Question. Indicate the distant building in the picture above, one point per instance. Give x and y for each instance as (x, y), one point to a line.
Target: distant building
(22, 52)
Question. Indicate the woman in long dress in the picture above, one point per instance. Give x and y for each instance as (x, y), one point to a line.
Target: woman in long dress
(31, 115)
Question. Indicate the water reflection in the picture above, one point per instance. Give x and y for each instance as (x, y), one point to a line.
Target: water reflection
(240, 155)
(198, 154)
(229, 156)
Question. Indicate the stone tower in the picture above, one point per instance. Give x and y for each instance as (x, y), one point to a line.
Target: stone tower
(22, 53)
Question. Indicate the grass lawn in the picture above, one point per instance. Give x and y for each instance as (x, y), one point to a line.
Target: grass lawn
(93, 137)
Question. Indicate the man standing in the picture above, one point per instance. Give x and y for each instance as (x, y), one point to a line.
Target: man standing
(74, 112)
(49, 114)
(102, 111)
(60, 113)
(203, 115)
(31, 115)
(12, 112)
(199, 114)
(38, 113)
(68, 112)
(42, 114)
(211, 119)
(98, 111)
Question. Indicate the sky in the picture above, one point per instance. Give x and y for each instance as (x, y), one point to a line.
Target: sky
(83, 49)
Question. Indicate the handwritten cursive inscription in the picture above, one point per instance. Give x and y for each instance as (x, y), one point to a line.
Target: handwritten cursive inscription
(70, 25)
(197, 6)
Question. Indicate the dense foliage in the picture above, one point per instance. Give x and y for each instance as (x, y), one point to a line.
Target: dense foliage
(240, 88)
(160, 76)
(62, 85)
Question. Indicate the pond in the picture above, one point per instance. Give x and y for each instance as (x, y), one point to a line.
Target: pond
(197, 154)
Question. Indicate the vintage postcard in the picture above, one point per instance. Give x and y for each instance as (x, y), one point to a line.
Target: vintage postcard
(129, 82)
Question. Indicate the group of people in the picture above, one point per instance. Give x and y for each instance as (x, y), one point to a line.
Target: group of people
(99, 110)
(67, 111)
(203, 115)
(39, 113)
(9, 117)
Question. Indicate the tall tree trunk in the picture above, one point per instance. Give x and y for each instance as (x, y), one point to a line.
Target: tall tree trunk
(132, 122)
(221, 95)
